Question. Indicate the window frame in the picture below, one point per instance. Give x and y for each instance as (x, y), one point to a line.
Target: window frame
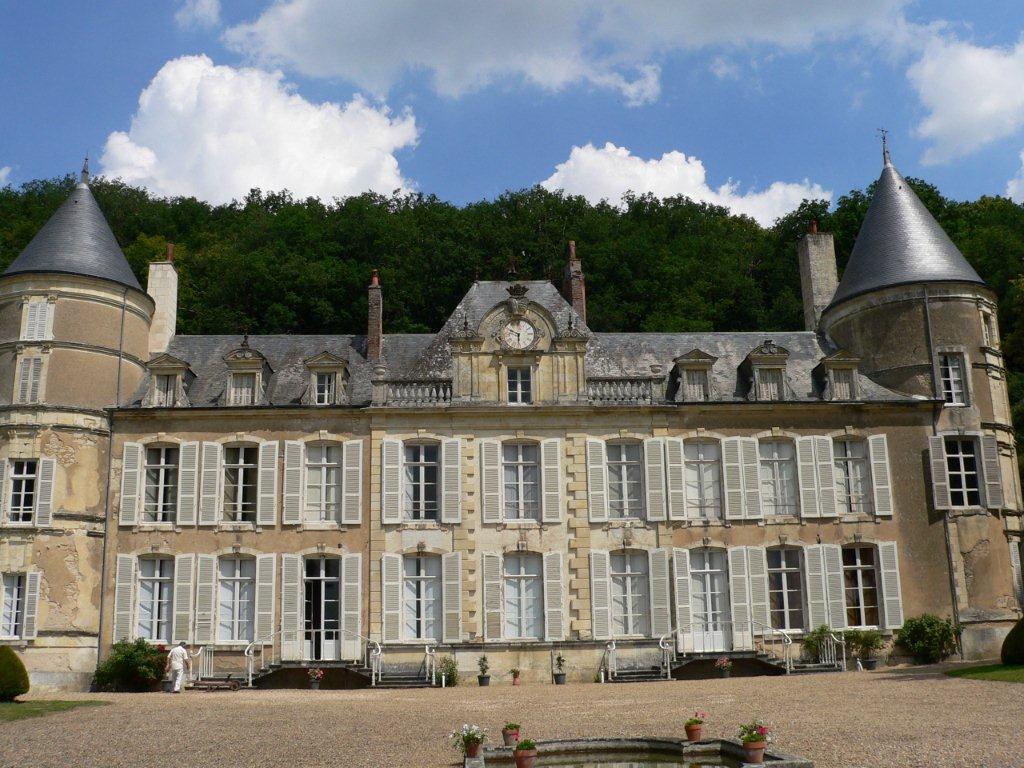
(420, 616)
(160, 579)
(26, 363)
(777, 481)
(329, 396)
(523, 388)
(859, 569)
(761, 387)
(641, 578)
(234, 390)
(325, 466)
(48, 304)
(9, 492)
(238, 581)
(718, 510)
(521, 482)
(17, 623)
(787, 573)
(631, 508)
(246, 468)
(164, 485)
(963, 473)
(521, 580)
(844, 501)
(962, 369)
(410, 513)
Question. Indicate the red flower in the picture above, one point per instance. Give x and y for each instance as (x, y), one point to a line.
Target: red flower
(762, 731)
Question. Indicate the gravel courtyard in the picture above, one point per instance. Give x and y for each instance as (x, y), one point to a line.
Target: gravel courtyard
(905, 717)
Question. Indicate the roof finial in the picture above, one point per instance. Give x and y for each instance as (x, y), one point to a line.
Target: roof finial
(886, 160)
(85, 170)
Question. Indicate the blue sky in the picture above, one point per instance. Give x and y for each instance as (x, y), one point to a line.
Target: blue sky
(750, 104)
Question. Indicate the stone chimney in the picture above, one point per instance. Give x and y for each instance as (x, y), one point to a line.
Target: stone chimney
(574, 285)
(375, 321)
(163, 289)
(818, 279)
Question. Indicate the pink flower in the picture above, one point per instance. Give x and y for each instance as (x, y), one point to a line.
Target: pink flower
(762, 731)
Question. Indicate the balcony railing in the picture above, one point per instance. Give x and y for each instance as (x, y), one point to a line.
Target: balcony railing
(418, 393)
(625, 391)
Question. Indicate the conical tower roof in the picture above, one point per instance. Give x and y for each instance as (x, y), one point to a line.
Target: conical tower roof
(76, 241)
(900, 242)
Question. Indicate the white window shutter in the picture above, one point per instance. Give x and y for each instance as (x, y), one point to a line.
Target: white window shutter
(1015, 569)
(554, 598)
(597, 481)
(188, 483)
(808, 471)
(757, 570)
(391, 482)
(292, 607)
(352, 499)
(739, 595)
(24, 379)
(391, 597)
(817, 593)
(732, 472)
(675, 478)
(30, 623)
(266, 580)
(451, 480)
(661, 594)
(654, 468)
(490, 481)
(294, 452)
(206, 598)
(181, 627)
(751, 478)
(834, 584)
(892, 593)
(209, 483)
(940, 476)
(600, 594)
(825, 458)
(36, 379)
(124, 597)
(44, 505)
(993, 477)
(551, 477)
(266, 494)
(492, 597)
(684, 627)
(131, 483)
(3, 491)
(451, 595)
(881, 475)
(351, 607)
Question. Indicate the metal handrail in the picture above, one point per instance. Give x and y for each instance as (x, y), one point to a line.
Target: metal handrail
(609, 663)
(372, 658)
(430, 664)
(775, 632)
(667, 652)
(204, 668)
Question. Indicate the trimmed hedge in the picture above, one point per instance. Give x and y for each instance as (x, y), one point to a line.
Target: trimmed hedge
(928, 638)
(136, 666)
(1013, 645)
(13, 675)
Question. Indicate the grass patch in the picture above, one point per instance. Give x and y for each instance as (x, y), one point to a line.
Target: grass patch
(19, 710)
(1013, 673)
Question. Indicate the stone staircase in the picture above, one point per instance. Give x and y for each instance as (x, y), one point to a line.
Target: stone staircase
(357, 668)
(638, 674)
(403, 678)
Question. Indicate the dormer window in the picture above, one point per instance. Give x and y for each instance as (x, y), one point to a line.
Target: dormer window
(835, 377)
(693, 373)
(520, 385)
(764, 372)
(842, 380)
(326, 386)
(168, 379)
(326, 379)
(769, 383)
(165, 387)
(243, 389)
(248, 373)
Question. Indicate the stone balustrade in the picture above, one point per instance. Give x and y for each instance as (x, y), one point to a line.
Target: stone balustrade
(429, 392)
(625, 391)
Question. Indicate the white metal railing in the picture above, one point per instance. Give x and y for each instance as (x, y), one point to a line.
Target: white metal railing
(622, 390)
(774, 642)
(715, 635)
(250, 655)
(416, 393)
(667, 644)
(609, 663)
(256, 653)
(832, 650)
(202, 664)
(430, 664)
(374, 659)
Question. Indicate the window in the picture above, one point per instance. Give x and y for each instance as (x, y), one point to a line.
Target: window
(770, 384)
(422, 597)
(323, 483)
(156, 575)
(785, 589)
(161, 501)
(853, 478)
(421, 473)
(13, 617)
(988, 329)
(842, 384)
(243, 389)
(38, 321)
(165, 389)
(520, 386)
(962, 466)
(524, 607)
(236, 599)
(521, 470)
(695, 384)
(322, 608)
(24, 473)
(240, 484)
(630, 594)
(778, 477)
(326, 384)
(861, 586)
(703, 479)
(30, 371)
(625, 480)
(951, 373)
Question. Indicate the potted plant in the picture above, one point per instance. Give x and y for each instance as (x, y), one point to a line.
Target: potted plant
(525, 753)
(693, 725)
(510, 734)
(483, 678)
(755, 737)
(315, 676)
(469, 739)
(559, 669)
(869, 641)
(515, 675)
(724, 666)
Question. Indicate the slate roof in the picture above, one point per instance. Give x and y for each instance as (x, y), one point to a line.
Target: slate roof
(77, 241)
(900, 242)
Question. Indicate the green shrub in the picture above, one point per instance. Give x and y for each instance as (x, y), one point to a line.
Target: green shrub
(448, 670)
(862, 642)
(13, 675)
(928, 638)
(1013, 645)
(136, 666)
(812, 641)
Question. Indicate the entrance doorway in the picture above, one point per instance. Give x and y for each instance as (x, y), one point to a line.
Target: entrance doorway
(709, 601)
(322, 622)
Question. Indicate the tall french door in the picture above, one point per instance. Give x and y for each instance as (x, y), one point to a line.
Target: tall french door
(322, 624)
(709, 601)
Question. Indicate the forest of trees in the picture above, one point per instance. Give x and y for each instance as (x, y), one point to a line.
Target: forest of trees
(274, 264)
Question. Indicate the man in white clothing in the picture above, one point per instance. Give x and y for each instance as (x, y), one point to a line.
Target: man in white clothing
(177, 661)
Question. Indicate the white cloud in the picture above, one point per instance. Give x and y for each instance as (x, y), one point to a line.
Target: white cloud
(724, 69)
(1014, 187)
(464, 45)
(204, 14)
(5, 171)
(606, 173)
(216, 131)
(974, 95)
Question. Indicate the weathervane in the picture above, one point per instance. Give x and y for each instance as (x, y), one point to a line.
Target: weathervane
(885, 146)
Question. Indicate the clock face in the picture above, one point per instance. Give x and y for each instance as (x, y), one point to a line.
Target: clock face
(518, 334)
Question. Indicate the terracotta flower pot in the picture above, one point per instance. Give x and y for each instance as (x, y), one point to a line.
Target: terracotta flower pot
(755, 751)
(510, 738)
(475, 750)
(692, 732)
(515, 680)
(525, 758)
